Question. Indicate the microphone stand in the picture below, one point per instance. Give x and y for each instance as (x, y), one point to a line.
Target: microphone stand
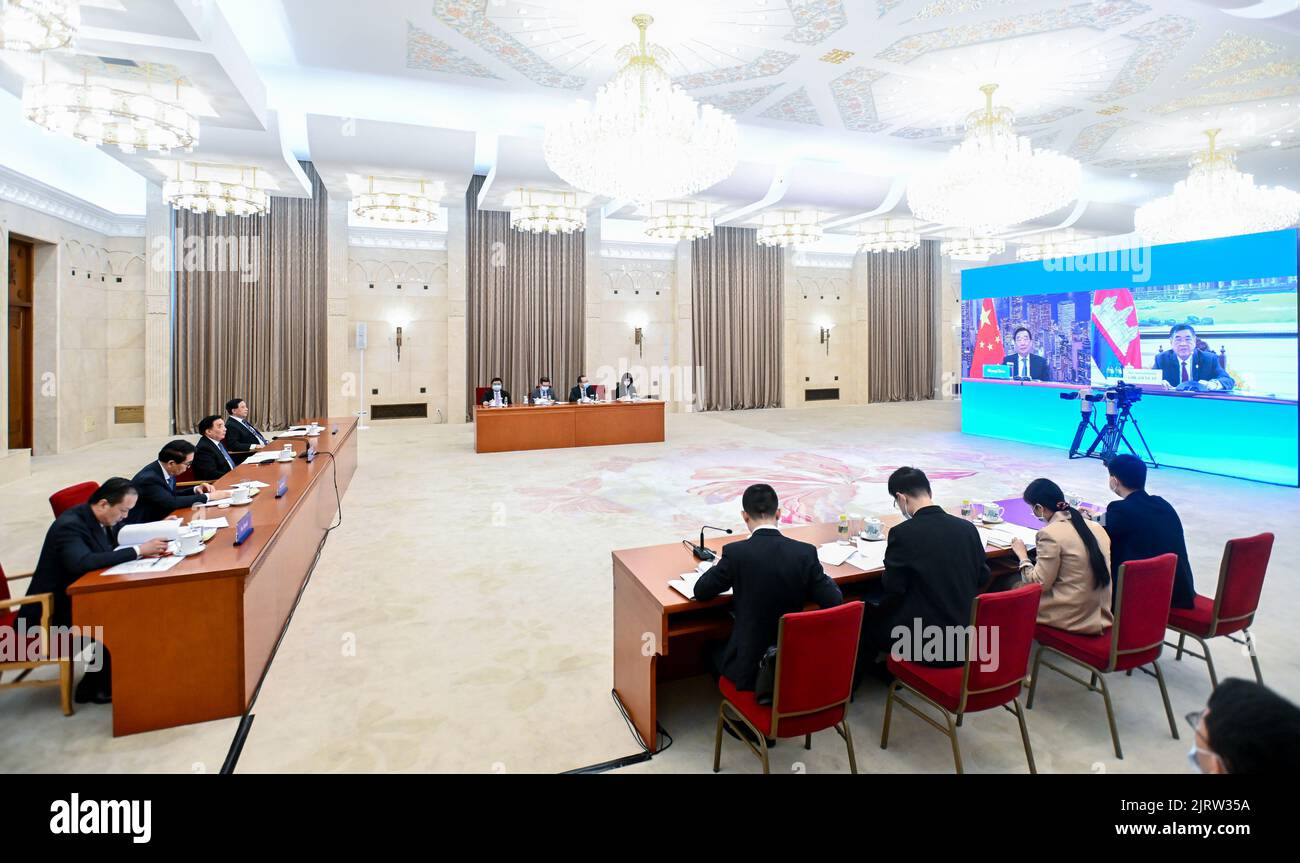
(700, 551)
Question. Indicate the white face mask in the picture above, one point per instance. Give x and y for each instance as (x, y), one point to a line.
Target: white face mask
(1037, 511)
(902, 507)
(1195, 762)
(496, 388)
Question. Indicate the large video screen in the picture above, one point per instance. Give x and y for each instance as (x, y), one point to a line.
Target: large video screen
(1209, 330)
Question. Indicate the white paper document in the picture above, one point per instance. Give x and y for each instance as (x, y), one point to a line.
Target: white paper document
(262, 457)
(1001, 536)
(138, 534)
(685, 583)
(834, 554)
(868, 555)
(149, 564)
(292, 433)
(252, 483)
(209, 522)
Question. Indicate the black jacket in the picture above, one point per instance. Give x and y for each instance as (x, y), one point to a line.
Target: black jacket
(770, 575)
(158, 497)
(209, 463)
(1142, 526)
(1203, 366)
(575, 393)
(935, 564)
(74, 545)
(1038, 368)
(241, 438)
(489, 395)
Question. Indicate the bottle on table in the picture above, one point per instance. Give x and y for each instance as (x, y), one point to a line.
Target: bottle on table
(843, 529)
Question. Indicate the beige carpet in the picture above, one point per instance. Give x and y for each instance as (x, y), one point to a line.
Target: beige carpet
(459, 619)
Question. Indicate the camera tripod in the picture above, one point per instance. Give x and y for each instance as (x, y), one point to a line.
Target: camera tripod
(1110, 436)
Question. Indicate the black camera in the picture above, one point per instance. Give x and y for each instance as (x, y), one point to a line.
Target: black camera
(1124, 394)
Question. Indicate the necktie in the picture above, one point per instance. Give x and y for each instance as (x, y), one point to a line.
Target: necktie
(229, 461)
(1184, 378)
(171, 482)
(1023, 362)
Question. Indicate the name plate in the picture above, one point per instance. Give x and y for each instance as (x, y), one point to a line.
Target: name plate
(244, 528)
(283, 488)
(1141, 376)
(996, 372)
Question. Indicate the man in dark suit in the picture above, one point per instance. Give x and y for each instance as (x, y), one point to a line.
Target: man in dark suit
(156, 485)
(1183, 364)
(583, 390)
(1026, 365)
(212, 460)
(497, 395)
(1141, 525)
(769, 575)
(935, 564)
(242, 438)
(81, 540)
(544, 391)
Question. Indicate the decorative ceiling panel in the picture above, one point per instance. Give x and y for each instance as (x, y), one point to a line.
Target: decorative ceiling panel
(815, 20)
(796, 108)
(739, 101)
(1281, 69)
(1160, 40)
(853, 99)
(1093, 137)
(469, 19)
(425, 52)
(1235, 97)
(1232, 50)
(768, 63)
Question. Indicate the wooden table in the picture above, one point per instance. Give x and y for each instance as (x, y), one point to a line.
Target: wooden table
(661, 635)
(191, 644)
(520, 427)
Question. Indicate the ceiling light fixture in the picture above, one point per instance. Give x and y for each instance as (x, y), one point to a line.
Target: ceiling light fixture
(972, 248)
(1049, 247)
(128, 114)
(889, 235)
(643, 139)
(679, 220)
(38, 25)
(218, 197)
(1216, 200)
(398, 207)
(789, 228)
(543, 212)
(994, 178)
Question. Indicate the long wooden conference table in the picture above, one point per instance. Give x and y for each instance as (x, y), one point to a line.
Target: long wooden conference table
(525, 427)
(660, 634)
(190, 644)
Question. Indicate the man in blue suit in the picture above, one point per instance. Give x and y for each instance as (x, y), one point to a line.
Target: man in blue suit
(156, 485)
(1141, 526)
(1026, 365)
(1183, 365)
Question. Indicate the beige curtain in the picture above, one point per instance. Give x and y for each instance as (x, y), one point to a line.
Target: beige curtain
(250, 312)
(737, 328)
(902, 323)
(524, 310)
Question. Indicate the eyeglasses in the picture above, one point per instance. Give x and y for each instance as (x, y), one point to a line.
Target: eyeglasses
(1194, 718)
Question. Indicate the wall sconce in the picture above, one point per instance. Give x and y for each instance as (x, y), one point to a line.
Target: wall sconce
(826, 336)
(398, 335)
(638, 335)
(399, 344)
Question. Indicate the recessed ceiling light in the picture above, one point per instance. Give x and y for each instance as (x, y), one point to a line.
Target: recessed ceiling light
(1133, 175)
(1275, 143)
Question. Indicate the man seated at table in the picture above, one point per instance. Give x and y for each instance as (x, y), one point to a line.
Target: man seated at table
(1141, 526)
(212, 460)
(1026, 366)
(544, 392)
(935, 564)
(583, 392)
(242, 437)
(497, 396)
(156, 485)
(81, 540)
(1185, 367)
(769, 575)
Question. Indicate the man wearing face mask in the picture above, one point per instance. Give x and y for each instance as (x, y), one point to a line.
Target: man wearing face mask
(935, 564)
(583, 392)
(497, 396)
(1245, 728)
(543, 392)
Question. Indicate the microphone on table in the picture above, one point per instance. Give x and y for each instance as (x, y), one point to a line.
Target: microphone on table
(702, 553)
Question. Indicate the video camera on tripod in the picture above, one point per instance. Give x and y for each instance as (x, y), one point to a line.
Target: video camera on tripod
(1119, 400)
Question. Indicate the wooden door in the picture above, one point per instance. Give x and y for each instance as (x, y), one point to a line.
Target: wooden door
(21, 324)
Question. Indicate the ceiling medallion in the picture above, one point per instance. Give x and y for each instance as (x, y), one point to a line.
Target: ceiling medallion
(994, 178)
(643, 139)
(1216, 200)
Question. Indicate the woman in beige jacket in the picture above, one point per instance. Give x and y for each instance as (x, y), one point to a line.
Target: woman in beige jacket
(1073, 563)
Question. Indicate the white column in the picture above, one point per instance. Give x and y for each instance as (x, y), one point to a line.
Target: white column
(792, 383)
(683, 348)
(457, 322)
(591, 301)
(159, 275)
(342, 385)
(859, 334)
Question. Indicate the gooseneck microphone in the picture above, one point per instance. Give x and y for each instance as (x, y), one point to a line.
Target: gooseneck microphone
(702, 553)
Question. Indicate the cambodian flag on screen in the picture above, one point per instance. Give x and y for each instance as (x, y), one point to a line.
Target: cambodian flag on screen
(1116, 344)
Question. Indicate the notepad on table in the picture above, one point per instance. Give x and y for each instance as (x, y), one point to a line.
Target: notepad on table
(209, 522)
(148, 564)
(252, 483)
(685, 583)
(868, 555)
(834, 554)
(262, 457)
(1002, 535)
(138, 534)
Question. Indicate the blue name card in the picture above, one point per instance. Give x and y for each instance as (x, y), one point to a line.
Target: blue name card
(283, 489)
(243, 528)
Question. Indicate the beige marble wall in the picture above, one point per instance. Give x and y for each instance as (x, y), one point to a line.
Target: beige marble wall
(950, 326)
(816, 297)
(626, 292)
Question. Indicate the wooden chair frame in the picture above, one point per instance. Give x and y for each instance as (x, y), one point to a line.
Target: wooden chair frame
(64, 681)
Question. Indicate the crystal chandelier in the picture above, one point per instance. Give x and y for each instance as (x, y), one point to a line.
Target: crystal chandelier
(218, 197)
(972, 248)
(131, 119)
(1216, 200)
(396, 207)
(679, 220)
(38, 25)
(994, 178)
(1048, 248)
(542, 212)
(644, 139)
(789, 228)
(889, 235)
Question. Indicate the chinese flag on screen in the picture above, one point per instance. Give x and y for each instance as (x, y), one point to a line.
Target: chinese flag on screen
(988, 340)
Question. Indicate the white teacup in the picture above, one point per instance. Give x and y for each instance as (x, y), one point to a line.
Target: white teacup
(1074, 500)
(874, 529)
(992, 511)
(241, 494)
(286, 454)
(190, 540)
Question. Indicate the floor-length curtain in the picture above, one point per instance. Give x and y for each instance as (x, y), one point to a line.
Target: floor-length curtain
(250, 311)
(524, 304)
(902, 328)
(737, 326)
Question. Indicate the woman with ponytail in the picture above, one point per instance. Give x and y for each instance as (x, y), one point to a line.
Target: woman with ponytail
(1073, 563)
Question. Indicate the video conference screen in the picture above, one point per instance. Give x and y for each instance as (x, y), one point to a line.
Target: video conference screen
(1209, 330)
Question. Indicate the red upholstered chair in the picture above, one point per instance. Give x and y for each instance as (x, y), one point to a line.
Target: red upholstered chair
(1241, 579)
(816, 653)
(1143, 588)
(479, 394)
(600, 392)
(971, 687)
(39, 640)
(62, 501)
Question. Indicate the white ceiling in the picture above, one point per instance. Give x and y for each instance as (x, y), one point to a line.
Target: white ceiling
(437, 90)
